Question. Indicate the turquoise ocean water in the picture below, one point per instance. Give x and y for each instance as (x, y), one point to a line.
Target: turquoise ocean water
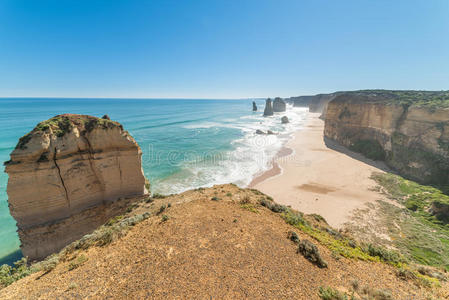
(185, 143)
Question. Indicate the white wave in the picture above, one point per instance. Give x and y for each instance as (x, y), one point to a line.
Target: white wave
(252, 153)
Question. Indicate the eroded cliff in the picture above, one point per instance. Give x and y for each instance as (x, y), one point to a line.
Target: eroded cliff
(69, 175)
(407, 129)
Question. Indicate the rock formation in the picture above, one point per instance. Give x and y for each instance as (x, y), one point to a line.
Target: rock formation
(254, 106)
(279, 105)
(69, 175)
(268, 109)
(407, 129)
(284, 120)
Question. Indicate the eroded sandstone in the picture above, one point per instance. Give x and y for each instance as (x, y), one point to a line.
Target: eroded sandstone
(69, 175)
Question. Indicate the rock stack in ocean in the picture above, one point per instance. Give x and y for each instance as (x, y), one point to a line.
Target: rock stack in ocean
(284, 120)
(279, 105)
(69, 175)
(268, 108)
(254, 106)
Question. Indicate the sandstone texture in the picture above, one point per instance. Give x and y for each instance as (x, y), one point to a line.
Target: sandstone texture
(69, 175)
(409, 131)
(268, 111)
(279, 105)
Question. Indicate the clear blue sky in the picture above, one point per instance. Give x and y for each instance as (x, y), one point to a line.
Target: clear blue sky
(220, 49)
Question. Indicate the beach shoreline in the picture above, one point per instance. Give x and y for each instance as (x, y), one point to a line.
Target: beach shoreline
(318, 176)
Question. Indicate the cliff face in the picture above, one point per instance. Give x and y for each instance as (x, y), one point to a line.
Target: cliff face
(68, 176)
(412, 139)
(316, 104)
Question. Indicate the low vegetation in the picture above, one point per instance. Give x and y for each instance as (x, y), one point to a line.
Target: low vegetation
(429, 99)
(420, 230)
(357, 293)
(62, 124)
(104, 235)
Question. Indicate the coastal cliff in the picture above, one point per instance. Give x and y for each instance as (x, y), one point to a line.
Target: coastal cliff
(316, 104)
(409, 130)
(69, 175)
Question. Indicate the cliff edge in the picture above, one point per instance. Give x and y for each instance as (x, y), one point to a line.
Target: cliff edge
(409, 130)
(68, 176)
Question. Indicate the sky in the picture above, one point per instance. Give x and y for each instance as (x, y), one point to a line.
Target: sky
(221, 48)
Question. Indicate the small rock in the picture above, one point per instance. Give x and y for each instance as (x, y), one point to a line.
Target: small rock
(270, 132)
(258, 131)
(284, 120)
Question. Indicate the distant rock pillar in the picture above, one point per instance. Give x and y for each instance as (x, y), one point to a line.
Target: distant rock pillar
(268, 108)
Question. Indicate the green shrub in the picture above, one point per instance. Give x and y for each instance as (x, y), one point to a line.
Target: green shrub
(165, 218)
(328, 293)
(215, 198)
(10, 274)
(158, 196)
(161, 209)
(384, 254)
(310, 251)
(80, 260)
(293, 236)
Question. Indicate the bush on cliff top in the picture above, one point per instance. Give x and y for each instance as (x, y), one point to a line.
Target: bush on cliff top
(428, 99)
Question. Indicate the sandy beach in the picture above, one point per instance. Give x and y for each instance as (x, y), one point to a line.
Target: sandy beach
(317, 178)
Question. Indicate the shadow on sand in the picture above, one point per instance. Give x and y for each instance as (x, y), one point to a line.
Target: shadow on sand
(331, 144)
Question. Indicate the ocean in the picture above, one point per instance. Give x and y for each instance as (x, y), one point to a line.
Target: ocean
(186, 143)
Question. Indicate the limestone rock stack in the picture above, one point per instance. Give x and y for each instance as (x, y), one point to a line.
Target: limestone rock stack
(254, 106)
(69, 175)
(268, 108)
(279, 105)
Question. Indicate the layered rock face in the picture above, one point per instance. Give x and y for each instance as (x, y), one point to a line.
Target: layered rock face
(268, 111)
(68, 176)
(279, 105)
(412, 139)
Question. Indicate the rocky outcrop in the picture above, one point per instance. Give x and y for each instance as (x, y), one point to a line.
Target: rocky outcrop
(409, 130)
(69, 175)
(284, 120)
(279, 105)
(268, 108)
(254, 106)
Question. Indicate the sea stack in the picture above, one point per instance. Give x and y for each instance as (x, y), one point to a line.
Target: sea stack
(68, 176)
(284, 120)
(279, 105)
(254, 106)
(268, 109)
